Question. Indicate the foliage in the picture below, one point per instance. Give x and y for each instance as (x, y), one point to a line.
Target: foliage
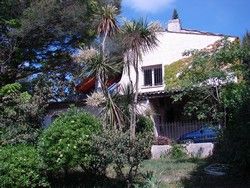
(246, 61)
(172, 72)
(206, 79)
(235, 94)
(138, 37)
(214, 66)
(39, 37)
(108, 23)
(125, 154)
(103, 65)
(234, 146)
(144, 125)
(151, 181)
(94, 63)
(21, 113)
(177, 152)
(67, 142)
(20, 166)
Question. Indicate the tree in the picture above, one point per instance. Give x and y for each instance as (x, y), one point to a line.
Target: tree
(39, 37)
(246, 44)
(233, 147)
(106, 27)
(95, 64)
(138, 37)
(102, 65)
(21, 113)
(206, 78)
(175, 15)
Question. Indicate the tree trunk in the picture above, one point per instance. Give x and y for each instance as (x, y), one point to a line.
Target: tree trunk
(99, 79)
(135, 99)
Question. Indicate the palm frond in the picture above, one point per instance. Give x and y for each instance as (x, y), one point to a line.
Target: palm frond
(108, 22)
(139, 36)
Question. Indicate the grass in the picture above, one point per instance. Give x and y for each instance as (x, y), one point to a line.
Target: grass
(172, 173)
(161, 173)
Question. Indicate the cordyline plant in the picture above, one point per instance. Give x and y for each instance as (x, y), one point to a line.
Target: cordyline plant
(99, 64)
(139, 37)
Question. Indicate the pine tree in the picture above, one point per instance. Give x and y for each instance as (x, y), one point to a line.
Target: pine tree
(175, 15)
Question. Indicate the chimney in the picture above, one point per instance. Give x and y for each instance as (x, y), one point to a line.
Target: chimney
(174, 25)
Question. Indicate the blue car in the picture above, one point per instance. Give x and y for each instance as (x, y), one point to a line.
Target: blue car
(205, 134)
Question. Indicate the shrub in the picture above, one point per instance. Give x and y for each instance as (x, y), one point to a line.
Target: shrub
(124, 153)
(234, 145)
(67, 142)
(21, 113)
(20, 166)
(177, 152)
(144, 124)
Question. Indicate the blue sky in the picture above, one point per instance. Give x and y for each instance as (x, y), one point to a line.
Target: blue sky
(231, 17)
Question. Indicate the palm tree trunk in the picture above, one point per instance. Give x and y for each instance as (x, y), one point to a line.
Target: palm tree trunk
(99, 76)
(98, 84)
(135, 99)
(104, 43)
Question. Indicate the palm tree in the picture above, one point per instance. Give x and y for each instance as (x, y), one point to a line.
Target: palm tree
(106, 27)
(94, 64)
(138, 37)
(108, 23)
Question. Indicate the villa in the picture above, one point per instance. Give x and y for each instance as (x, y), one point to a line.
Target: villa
(173, 42)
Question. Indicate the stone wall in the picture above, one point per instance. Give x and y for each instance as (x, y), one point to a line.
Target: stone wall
(201, 150)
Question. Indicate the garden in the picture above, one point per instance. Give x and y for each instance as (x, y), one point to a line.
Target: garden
(47, 47)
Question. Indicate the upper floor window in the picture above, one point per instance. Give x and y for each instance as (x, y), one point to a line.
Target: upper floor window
(152, 75)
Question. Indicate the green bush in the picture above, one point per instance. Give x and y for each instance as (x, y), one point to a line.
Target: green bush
(67, 142)
(233, 146)
(20, 166)
(177, 152)
(21, 113)
(117, 148)
(144, 124)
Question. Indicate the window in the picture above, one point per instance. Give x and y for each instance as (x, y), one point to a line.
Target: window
(152, 75)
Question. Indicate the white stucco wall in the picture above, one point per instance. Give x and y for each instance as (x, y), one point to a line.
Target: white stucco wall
(200, 150)
(170, 49)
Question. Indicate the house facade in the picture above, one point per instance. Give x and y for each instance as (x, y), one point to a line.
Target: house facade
(173, 42)
(153, 94)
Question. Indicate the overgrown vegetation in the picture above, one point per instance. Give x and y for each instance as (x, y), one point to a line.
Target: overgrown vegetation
(123, 153)
(21, 113)
(67, 142)
(144, 125)
(173, 71)
(21, 166)
(206, 78)
(177, 152)
(209, 84)
(233, 147)
(37, 65)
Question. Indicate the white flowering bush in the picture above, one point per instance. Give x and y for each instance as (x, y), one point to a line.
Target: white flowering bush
(67, 143)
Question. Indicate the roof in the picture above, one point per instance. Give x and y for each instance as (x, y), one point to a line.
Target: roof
(88, 84)
(197, 32)
(76, 100)
(157, 94)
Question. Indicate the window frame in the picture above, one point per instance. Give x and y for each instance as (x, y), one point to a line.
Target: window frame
(153, 69)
